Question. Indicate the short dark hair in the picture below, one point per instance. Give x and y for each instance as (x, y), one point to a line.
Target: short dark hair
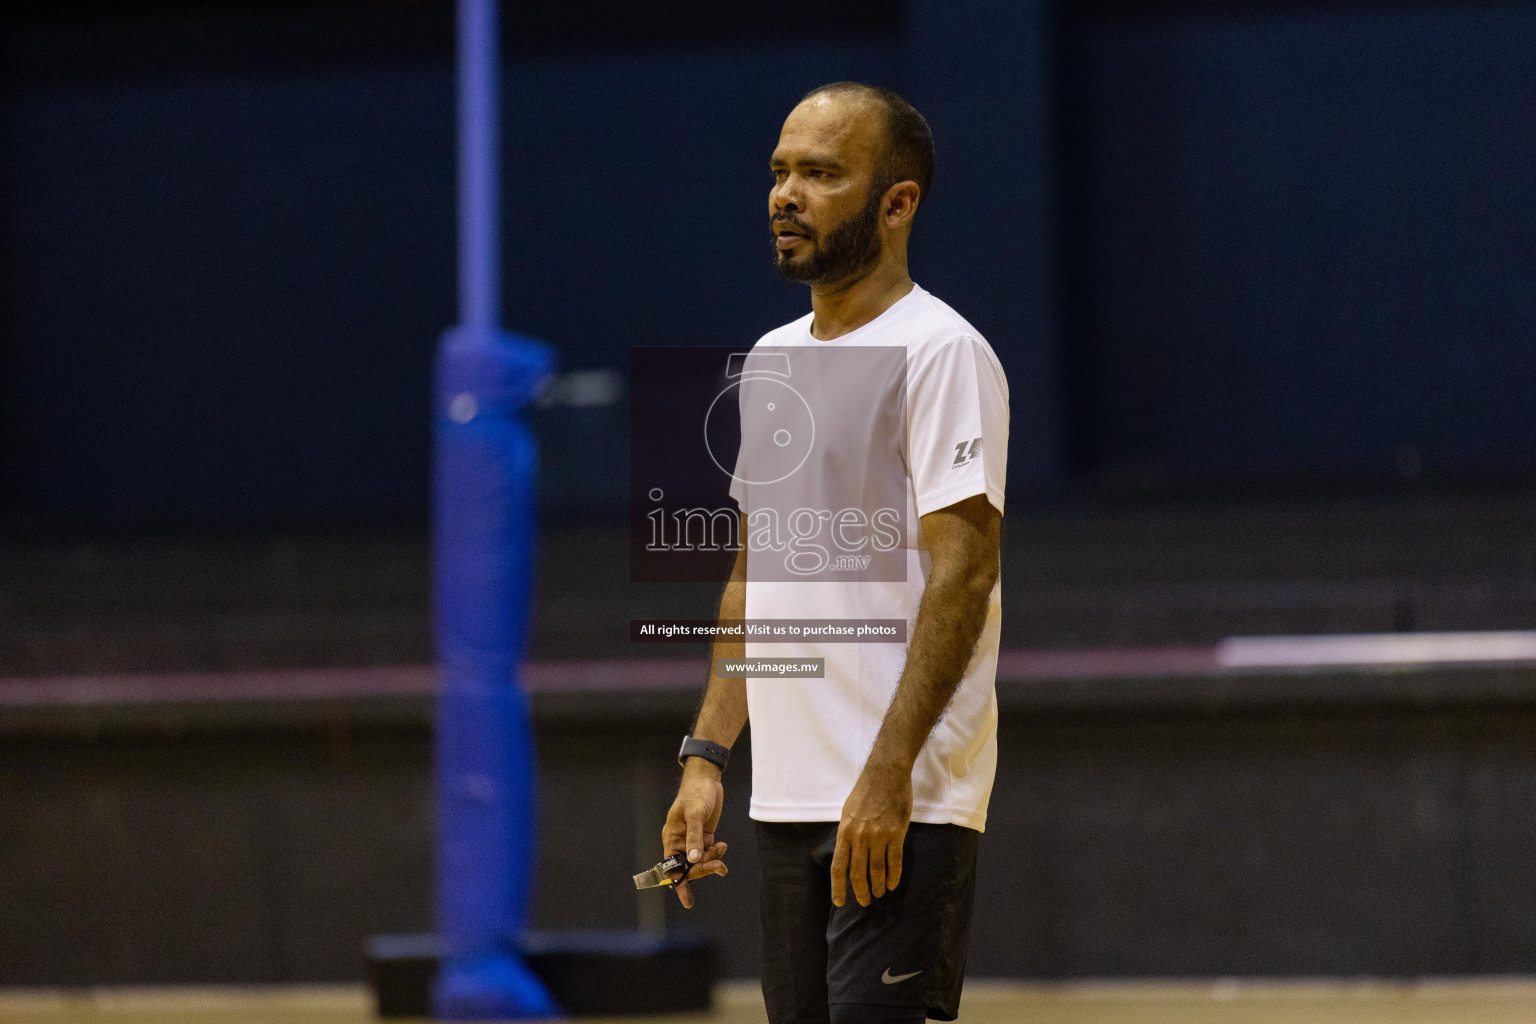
(908, 154)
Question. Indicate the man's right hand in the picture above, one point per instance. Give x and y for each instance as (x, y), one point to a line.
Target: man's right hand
(691, 823)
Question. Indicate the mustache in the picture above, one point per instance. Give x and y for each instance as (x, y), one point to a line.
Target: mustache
(786, 219)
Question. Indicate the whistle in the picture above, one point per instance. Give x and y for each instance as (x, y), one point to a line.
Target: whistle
(662, 873)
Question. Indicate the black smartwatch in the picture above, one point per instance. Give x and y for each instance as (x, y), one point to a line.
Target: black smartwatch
(714, 753)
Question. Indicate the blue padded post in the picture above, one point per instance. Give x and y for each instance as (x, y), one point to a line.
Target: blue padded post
(483, 542)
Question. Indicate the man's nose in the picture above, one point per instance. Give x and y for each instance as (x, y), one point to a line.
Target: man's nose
(785, 198)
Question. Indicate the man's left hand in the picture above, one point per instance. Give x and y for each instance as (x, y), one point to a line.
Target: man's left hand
(871, 834)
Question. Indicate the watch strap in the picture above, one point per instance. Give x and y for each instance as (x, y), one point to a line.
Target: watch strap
(714, 753)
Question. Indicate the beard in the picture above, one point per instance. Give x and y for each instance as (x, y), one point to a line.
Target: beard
(847, 249)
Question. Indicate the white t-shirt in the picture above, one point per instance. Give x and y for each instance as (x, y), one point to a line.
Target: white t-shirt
(811, 737)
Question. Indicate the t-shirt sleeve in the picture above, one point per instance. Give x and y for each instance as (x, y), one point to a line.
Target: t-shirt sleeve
(957, 425)
(738, 489)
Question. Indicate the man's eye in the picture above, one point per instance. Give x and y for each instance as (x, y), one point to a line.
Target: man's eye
(815, 173)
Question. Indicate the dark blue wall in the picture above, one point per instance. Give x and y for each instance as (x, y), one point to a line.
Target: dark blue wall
(230, 281)
(1306, 242)
(228, 290)
(981, 72)
(1288, 242)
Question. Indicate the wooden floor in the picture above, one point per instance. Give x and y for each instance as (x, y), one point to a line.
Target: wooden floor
(1231, 1002)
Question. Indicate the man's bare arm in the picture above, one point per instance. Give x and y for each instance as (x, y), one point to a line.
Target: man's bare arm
(695, 813)
(963, 540)
(724, 709)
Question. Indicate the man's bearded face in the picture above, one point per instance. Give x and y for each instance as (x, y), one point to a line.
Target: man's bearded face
(838, 254)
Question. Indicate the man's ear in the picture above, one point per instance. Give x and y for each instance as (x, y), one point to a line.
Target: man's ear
(901, 201)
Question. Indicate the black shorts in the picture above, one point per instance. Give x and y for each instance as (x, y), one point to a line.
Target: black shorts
(906, 948)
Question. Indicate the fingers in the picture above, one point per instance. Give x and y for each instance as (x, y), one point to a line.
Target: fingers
(708, 868)
(850, 864)
(711, 864)
(689, 829)
(871, 868)
(840, 855)
(870, 835)
(686, 829)
(877, 871)
(693, 817)
(858, 871)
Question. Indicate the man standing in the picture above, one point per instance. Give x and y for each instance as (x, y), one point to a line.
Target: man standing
(874, 779)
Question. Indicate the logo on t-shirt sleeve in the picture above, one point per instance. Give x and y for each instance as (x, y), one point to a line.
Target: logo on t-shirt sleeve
(965, 451)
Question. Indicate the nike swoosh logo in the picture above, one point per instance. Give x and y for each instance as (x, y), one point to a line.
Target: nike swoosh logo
(891, 979)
